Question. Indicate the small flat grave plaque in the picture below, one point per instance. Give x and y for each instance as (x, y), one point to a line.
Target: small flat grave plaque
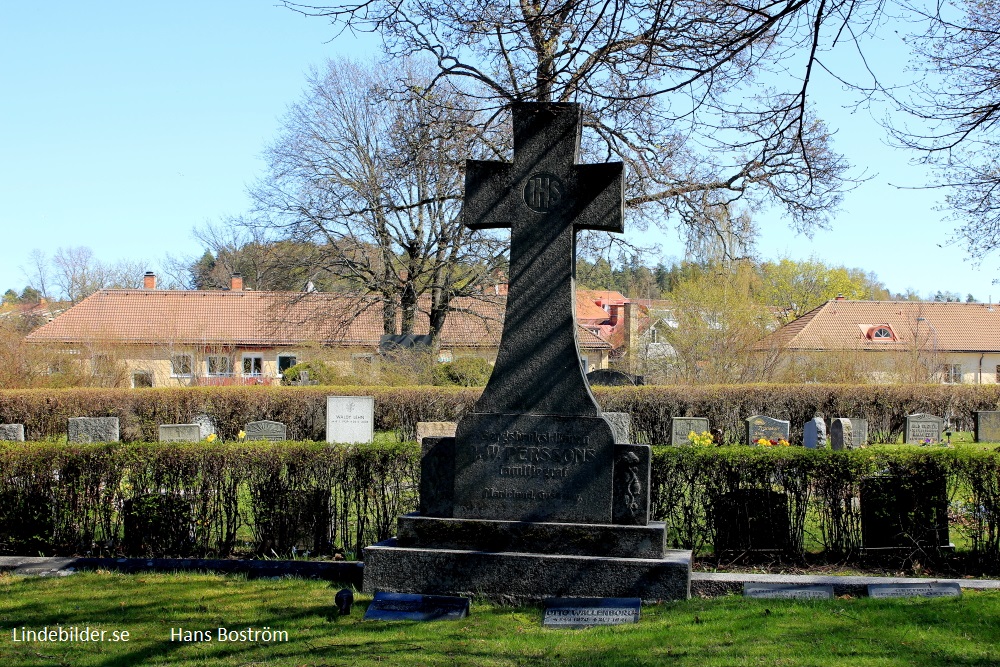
(350, 419)
(587, 612)
(787, 591)
(947, 589)
(411, 607)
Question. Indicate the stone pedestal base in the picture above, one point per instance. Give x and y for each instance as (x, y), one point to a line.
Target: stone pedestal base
(522, 577)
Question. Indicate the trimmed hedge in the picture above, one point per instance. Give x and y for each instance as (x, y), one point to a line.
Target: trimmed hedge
(44, 411)
(266, 498)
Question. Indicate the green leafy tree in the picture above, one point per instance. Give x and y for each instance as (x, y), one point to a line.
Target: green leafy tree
(796, 287)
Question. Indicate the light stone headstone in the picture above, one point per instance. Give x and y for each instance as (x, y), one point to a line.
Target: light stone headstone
(841, 434)
(179, 433)
(814, 434)
(266, 430)
(859, 427)
(768, 428)
(681, 428)
(621, 425)
(435, 430)
(788, 591)
(93, 429)
(350, 419)
(12, 432)
(988, 426)
(206, 425)
(932, 589)
(922, 428)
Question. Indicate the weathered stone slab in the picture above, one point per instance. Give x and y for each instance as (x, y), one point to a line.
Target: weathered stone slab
(841, 434)
(435, 430)
(988, 426)
(787, 592)
(621, 426)
(923, 428)
(647, 541)
(266, 430)
(12, 432)
(409, 607)
(524, 576)
(681, 428)
(588, 612)
(534, 468)
(946, 589)
(814, 434)
(93, 429)
(768, 428)
(179, 433)
(350, 419)
(859, 427)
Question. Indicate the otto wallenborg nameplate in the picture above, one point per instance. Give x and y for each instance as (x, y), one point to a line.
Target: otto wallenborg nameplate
(410, 607)
(948, 589)
(787, 591)
(587, 612)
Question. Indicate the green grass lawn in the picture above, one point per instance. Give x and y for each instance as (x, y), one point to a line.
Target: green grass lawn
(728, 631)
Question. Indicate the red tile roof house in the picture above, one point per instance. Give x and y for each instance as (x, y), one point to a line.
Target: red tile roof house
(236, 336)
(893, 341)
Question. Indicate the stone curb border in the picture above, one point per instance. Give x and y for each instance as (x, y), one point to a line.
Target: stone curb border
(703, 584)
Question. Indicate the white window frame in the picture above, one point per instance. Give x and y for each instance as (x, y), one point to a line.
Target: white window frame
(951, 373)
(173, 365)
(228, 364)
(251, 357)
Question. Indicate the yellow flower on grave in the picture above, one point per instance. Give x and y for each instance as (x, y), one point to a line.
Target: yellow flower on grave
(764, 442)
(210, 437)
(242, 435)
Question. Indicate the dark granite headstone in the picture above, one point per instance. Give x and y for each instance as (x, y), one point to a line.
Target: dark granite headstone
(841, 434)
(266, 430)
(923, 429)
(12, 432)
(768, 428)
(988, 426)
(93, 429)
(814, 434)
(681, 428)
(607, 377)
(904, 513)
(588, 612)
(535, 446)
(410, 607)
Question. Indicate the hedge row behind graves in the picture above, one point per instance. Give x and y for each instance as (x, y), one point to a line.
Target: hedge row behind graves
(264, 499)
(302, 409)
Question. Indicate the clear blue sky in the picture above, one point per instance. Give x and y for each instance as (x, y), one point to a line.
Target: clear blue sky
(125, 125)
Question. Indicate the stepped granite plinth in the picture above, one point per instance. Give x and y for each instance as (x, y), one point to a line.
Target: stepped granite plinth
(538, 494)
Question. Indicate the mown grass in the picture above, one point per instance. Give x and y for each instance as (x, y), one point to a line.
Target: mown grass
(727, 632)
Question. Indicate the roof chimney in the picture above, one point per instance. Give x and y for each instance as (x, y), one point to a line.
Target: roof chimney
(149, 280)
(236, 285)
(840, 297)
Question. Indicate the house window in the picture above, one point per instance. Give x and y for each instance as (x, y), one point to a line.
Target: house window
(181, 365)
(219, 364)
(142, 380)
(881, 333)
(253, 365)
(584, 363)
(286, 361)
(951, 373)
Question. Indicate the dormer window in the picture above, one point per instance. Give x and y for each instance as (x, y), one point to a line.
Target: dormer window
(881, 333)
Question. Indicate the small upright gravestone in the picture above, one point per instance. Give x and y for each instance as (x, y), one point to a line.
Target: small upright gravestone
(350, 419)
(266, 430)
(859, 429)
(179, 433)
(988, 426)
(923, 429)
(841, 434)
(814, 434)
(93, 429)
(12, 432)
(206, 426)
(767, 428)
(682, 427)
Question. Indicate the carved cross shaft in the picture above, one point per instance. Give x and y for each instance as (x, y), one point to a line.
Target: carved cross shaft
(543, 197)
